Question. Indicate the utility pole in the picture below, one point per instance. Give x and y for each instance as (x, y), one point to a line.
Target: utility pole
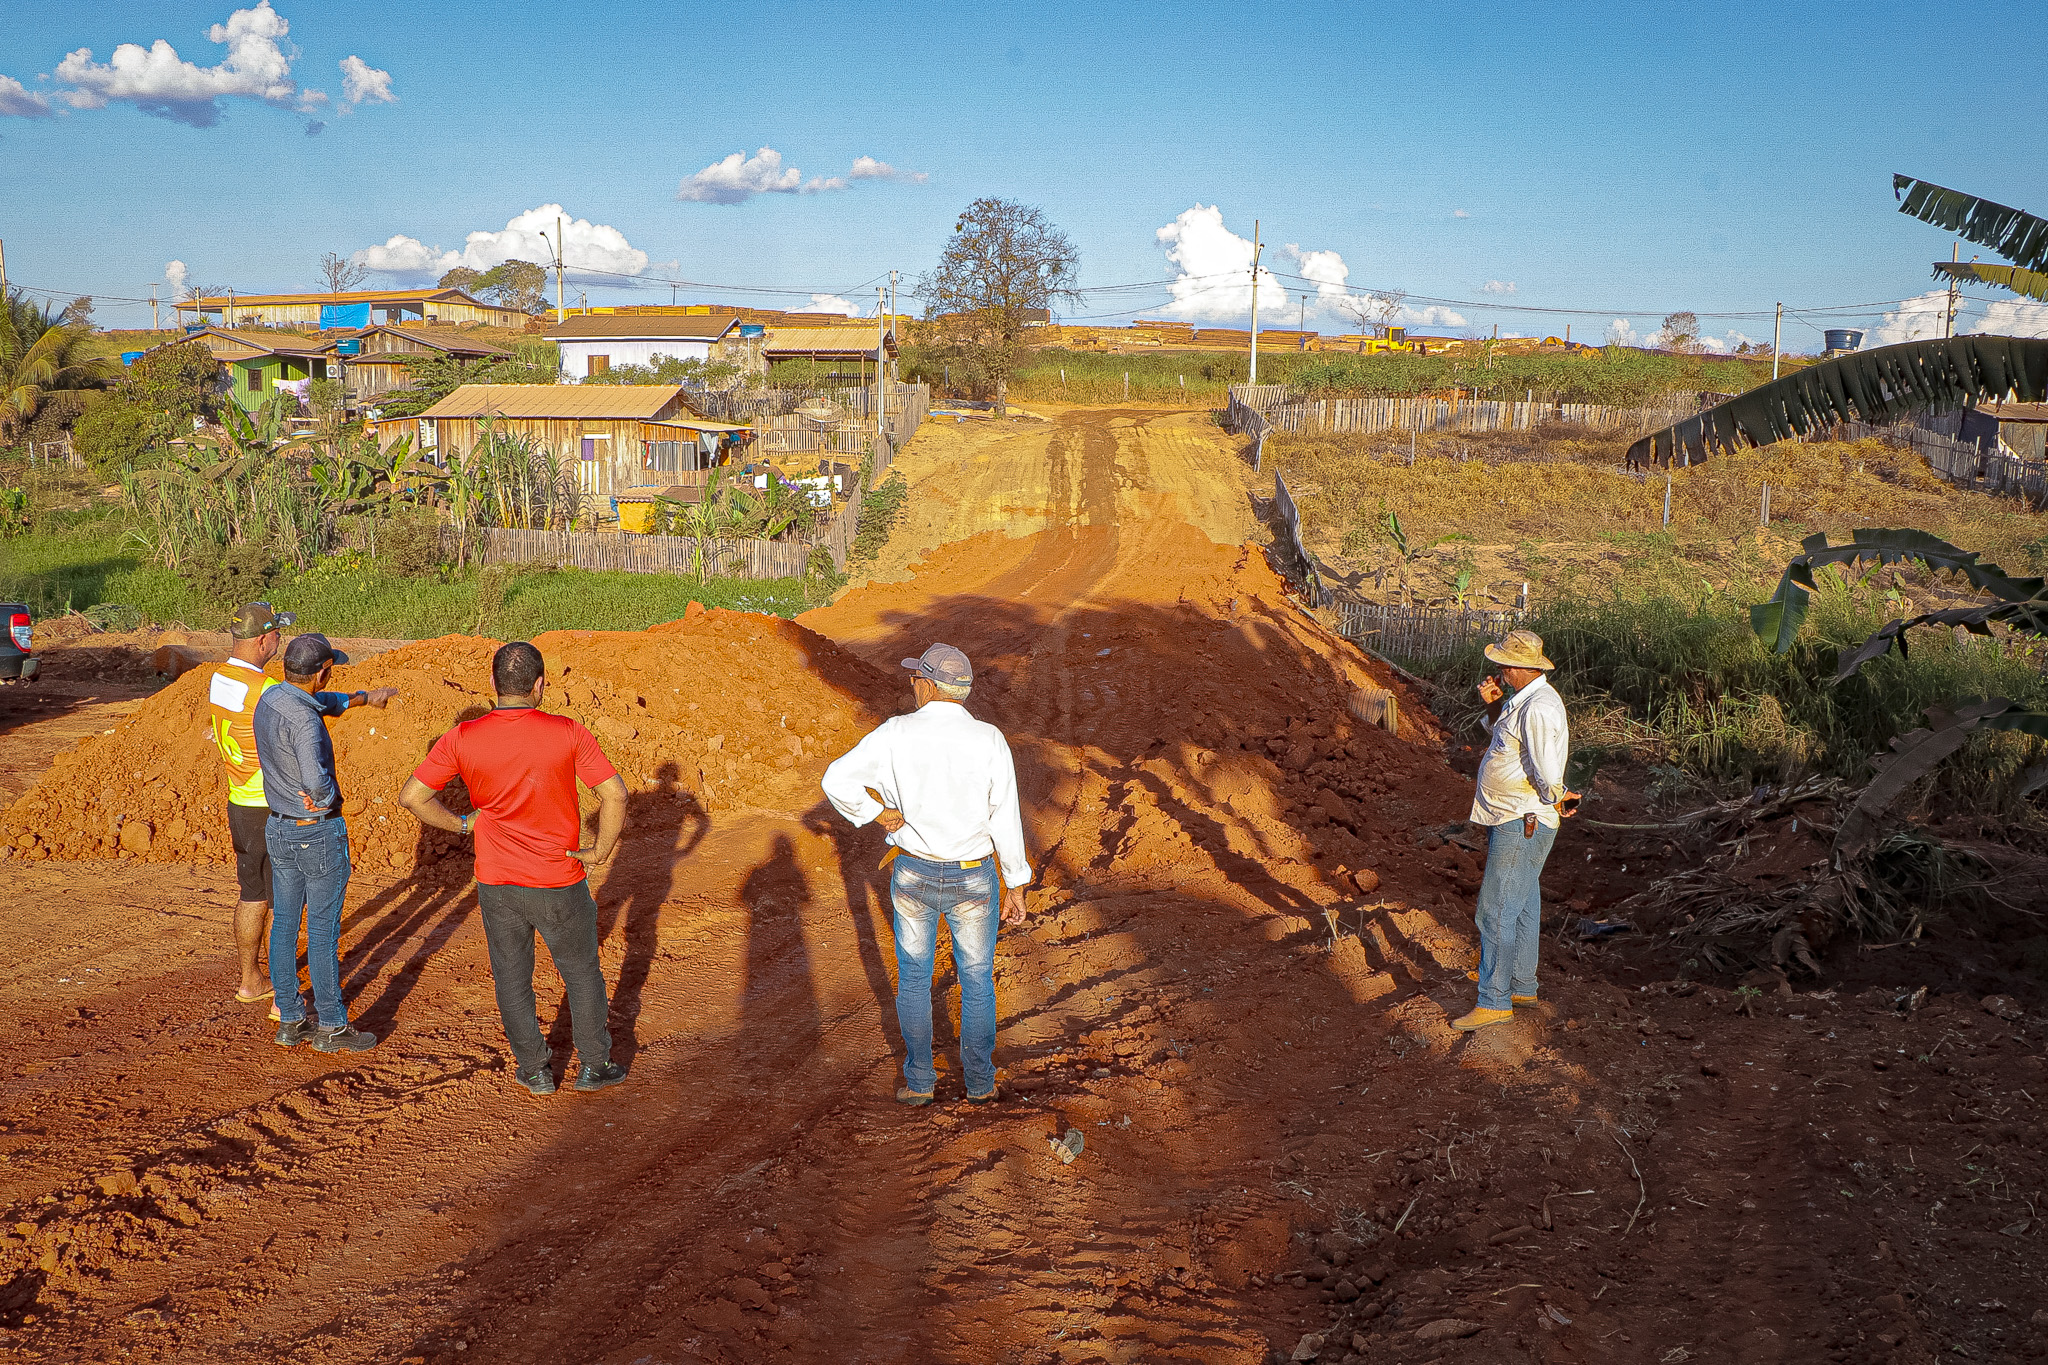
(1302, 326)
(892, 305)
(560, 312)
(3, 274)
(1256, 248)
(881, 368)
(1955, 253)
(154, 325)
(1777, 331)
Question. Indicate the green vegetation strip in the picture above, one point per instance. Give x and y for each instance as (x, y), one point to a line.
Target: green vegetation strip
(78, 560)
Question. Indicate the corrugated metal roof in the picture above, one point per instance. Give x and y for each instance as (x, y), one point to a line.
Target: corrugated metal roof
(637, 327)
(822, 340)
(371, 296)
(614, 402)
(439, 338)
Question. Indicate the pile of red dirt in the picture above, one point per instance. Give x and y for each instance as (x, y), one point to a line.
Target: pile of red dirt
(728, 709)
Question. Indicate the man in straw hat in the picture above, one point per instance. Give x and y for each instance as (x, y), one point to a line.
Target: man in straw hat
(944, 786)
(1520, 797)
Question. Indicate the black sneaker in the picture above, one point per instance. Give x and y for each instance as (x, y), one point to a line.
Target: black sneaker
(294, 1033)
(540, 1081)
(598, 1077)
(342, 1038)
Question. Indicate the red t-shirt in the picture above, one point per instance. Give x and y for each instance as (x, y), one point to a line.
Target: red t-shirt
(521, 767)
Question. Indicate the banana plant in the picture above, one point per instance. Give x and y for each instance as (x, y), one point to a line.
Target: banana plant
(2019, 604)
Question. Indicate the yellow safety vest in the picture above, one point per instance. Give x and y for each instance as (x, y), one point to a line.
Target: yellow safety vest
(232, 697)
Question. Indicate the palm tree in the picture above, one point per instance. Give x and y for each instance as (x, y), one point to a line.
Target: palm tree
(40, 354)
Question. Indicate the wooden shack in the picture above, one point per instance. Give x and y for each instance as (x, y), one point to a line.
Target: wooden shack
(376, 365)
(614, 436)
(351, 308)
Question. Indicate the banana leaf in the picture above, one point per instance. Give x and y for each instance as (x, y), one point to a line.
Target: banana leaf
(1876, 386)
(2020, 604)
(2032, 283)
(1913, 756)
(2018, 236)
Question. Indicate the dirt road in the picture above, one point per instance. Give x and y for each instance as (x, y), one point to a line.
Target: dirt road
(1286, 1147)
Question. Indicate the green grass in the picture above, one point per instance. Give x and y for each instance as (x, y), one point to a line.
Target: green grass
(79, 559)
(1654, 676)
(1620, 377)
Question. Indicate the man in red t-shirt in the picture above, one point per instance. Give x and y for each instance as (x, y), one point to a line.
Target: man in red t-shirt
(521, 765)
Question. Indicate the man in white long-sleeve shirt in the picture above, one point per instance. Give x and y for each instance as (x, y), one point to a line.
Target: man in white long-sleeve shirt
(1520, 797)
(945, 788)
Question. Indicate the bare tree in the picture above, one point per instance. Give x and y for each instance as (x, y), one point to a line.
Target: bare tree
(1004, 264)
(341, 274)
(1375, 312)
(1680, 332)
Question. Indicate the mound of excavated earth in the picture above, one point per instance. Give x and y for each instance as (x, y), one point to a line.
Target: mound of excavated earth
(732, 709)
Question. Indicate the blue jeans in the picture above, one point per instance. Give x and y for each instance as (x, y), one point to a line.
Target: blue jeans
(1510, 914)
(969, 899)
(308, 871)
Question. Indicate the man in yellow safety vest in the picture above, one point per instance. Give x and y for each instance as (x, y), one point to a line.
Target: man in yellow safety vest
(232, 695)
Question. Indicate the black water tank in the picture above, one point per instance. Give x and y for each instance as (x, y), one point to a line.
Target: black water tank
(1843, 338)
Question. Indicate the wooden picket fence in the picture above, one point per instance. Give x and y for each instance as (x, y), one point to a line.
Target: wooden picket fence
(1420, 632)
(1964, 463)
(1299, 415)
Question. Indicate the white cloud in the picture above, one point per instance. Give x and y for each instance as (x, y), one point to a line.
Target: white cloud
(17, 101)
(1497, 287)
(402, 255)
(1622, 333)
(1917, 319)
(159, 82)
(2013, 318)
(739, 177)
(362, 83)
(175, 274)
(1459, 213)
(590, 247)
(1215, 269)
(1723, 345)
(832, 303)
(1435, 315)
(867, 168)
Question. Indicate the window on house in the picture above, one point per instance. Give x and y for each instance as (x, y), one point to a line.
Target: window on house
(599, 364)
(664, 455)
(255, 379)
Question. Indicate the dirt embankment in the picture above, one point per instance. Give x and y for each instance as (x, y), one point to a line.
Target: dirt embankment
(723, 709)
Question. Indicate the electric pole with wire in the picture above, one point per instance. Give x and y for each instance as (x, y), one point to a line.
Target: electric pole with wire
(1256, 248)
(1955, 253)
(1777, 331)
(881, 369)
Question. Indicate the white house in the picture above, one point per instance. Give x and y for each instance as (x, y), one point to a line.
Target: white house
(592, 343)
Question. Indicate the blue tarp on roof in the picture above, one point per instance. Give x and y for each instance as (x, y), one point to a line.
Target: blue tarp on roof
(344, 315)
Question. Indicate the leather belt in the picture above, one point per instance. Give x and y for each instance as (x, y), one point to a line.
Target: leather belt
(318, 819)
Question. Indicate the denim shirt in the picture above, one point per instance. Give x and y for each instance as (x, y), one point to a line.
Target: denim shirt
(295, 752)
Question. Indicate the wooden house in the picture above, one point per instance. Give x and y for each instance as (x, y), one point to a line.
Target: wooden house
(257, 362)
(375, 364)
(845, 354)
(351, 309)
(614, 436)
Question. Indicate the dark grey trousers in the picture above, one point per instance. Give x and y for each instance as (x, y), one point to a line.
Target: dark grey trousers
(566, 917)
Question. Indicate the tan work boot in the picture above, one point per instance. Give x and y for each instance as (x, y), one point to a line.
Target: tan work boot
(1479, 1019)
(1519, 1000)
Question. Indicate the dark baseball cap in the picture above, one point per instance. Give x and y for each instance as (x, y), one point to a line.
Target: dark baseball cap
(257, 618)
(943, 664)
(309, 653)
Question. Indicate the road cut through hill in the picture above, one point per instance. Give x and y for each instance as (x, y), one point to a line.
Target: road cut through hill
(1285, 1145)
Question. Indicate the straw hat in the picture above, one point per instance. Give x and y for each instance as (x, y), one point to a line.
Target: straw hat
(1519, 649)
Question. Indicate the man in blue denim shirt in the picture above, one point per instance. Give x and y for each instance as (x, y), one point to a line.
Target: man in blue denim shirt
(308, 841)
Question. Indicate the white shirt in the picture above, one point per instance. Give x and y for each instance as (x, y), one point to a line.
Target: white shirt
(952, 778)
(1523, 770)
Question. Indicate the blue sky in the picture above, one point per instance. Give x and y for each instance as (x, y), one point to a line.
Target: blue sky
(1629, 159)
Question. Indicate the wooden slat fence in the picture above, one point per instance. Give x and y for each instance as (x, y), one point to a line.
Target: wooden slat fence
(629, 553)
(1964, 463)
(1420, 632)
(1298, 415)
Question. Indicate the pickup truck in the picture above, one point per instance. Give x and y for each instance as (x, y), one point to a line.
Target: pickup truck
(16, 661)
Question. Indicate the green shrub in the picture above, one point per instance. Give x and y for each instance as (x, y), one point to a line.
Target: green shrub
(409, 546)
(880, 509)
(241, 574)
(113, 434)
